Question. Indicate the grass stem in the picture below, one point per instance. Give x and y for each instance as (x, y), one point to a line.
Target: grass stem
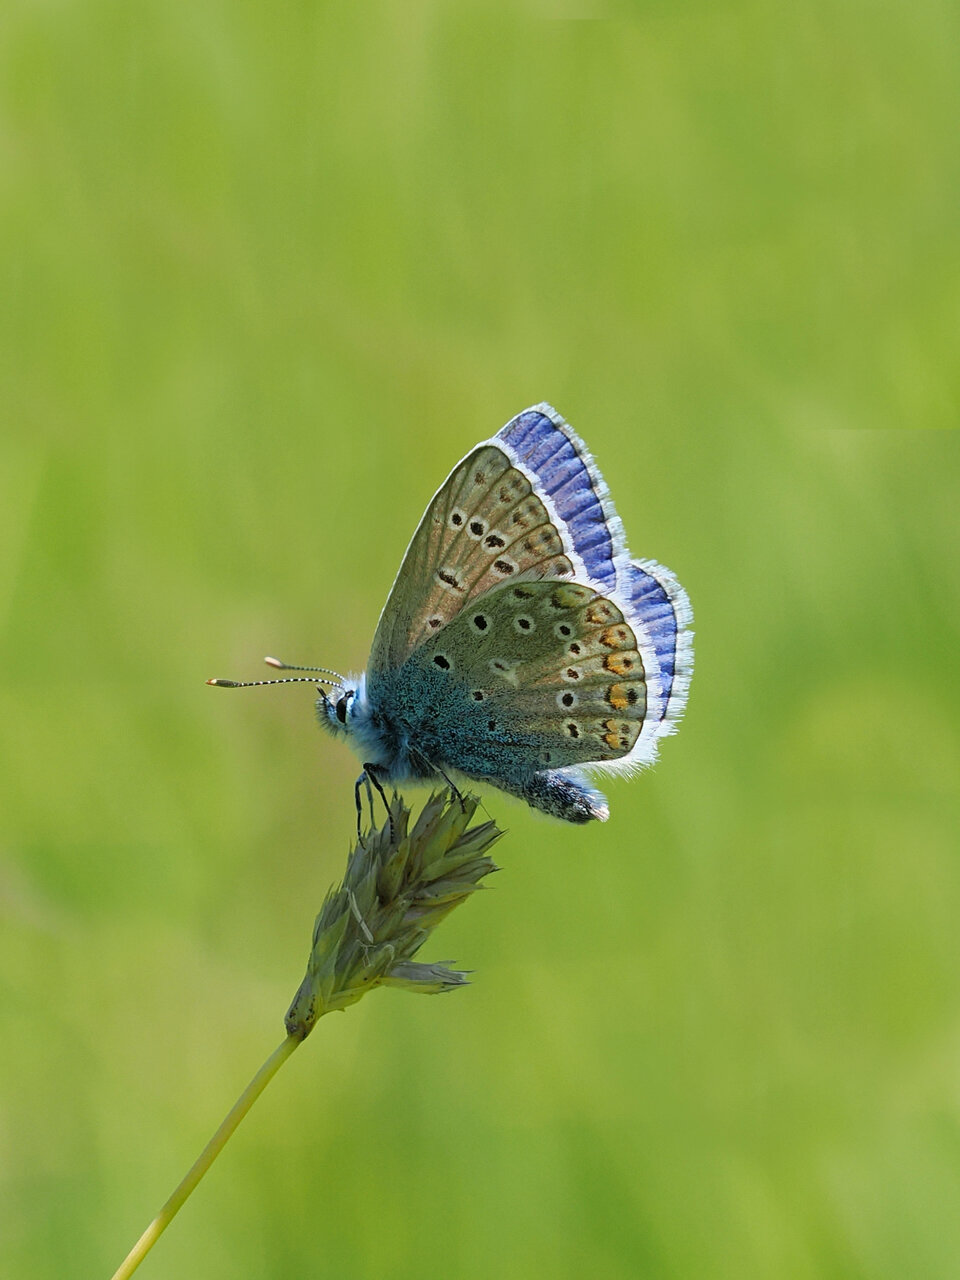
(206, 1158)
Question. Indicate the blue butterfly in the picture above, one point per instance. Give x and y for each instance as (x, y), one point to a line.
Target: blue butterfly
(520, 642)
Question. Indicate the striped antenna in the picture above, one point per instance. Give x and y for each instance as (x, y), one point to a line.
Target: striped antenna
(286, 666)
(249, 684)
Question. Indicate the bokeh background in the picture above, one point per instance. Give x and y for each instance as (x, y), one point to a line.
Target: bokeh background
(266, 274)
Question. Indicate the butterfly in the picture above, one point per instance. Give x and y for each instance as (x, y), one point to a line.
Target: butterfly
(520, 643)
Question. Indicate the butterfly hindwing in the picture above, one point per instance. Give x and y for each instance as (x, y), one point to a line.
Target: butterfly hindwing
(484, 527)
(660, 603)
(532, 676)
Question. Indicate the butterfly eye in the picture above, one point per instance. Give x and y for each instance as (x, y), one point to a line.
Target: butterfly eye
(342, 708)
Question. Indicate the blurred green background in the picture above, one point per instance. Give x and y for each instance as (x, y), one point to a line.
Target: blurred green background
(265, 275)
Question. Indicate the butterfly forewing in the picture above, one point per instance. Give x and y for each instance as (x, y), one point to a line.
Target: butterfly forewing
(538, 675)
(485, 527)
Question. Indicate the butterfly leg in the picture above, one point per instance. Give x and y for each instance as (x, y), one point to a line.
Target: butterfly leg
(370, 772)
(362, 781)
(453, 786)
(435, 768)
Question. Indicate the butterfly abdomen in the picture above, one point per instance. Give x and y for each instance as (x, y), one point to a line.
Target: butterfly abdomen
(565, 795)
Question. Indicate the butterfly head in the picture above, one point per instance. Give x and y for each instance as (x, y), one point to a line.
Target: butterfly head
(337, 709)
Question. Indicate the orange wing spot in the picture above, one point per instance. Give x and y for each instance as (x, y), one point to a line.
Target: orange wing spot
(621, 696)
(621, 663)
(617, 697)
(620, 736)
(617, 637)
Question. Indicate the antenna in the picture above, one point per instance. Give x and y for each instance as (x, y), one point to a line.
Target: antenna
(286, 666)
(249, 684)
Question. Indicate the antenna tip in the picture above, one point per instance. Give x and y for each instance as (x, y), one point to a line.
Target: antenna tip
(275, 662)
(224, 684)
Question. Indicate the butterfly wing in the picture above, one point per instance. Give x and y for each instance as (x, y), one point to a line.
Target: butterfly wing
(658, 599)
(546, 447)
(534, 676)
(484, 526)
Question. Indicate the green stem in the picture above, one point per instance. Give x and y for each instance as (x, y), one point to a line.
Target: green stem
(206, 1157)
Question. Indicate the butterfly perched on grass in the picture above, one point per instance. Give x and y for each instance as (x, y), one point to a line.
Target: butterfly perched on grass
(519, 643)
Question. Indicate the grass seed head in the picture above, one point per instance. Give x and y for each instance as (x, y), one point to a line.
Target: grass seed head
(399, 884)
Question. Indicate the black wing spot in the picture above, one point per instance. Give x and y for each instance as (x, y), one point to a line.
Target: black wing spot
(574, 648)
(456, 519)
(523, 623)
(568, 699)
(494, 541)
(442, 662)
(563, 629)
(504, 567)
(480, 622)
(572, 673)
(572, 729)
(434, 622)
(478, 695)
(449, 578)
(491, 725)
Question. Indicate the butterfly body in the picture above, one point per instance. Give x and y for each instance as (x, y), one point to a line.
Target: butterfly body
(520, 643)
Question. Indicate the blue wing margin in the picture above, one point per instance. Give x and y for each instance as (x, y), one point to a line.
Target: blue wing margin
(664, 608)
(550, 448)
